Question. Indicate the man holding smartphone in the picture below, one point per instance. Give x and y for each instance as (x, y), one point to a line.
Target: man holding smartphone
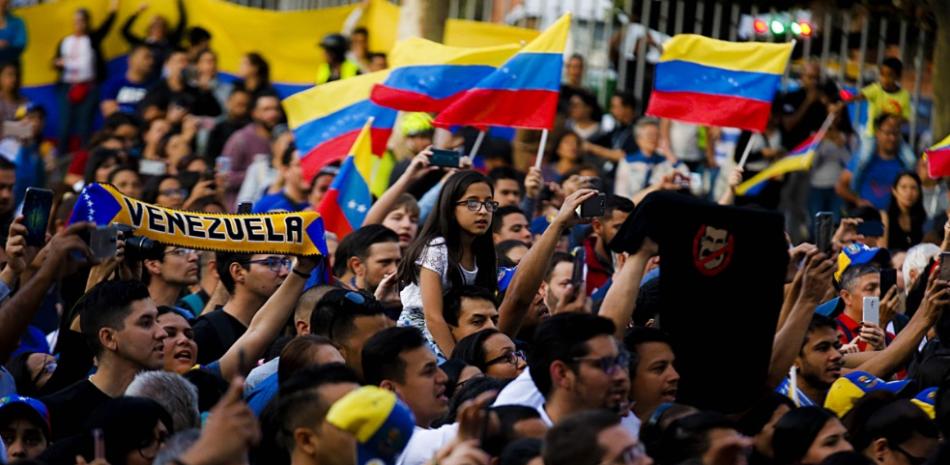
(858, 282)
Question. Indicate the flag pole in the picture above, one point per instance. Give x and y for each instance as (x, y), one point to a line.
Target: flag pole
(745, 153)
(544, 141)
(478, 144)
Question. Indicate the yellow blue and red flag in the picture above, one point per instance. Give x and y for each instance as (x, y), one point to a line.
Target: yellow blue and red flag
(718, 83)
(522, 93)
(345, 205)
(799, 159)
(327, 119)
(938, 159)
(428, 76)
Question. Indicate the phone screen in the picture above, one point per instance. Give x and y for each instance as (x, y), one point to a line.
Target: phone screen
(824, 226)
(577, 276)
(445, 158)
(245, 207)
(594, 206)
(944, 266)
(888, 280)
(872, 310)
(36, 210)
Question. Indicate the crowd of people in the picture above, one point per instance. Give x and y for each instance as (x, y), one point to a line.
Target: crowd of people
(475, 317)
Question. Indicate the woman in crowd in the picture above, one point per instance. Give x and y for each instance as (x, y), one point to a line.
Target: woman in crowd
(567, 156)
(126, 178)
(584, 115)
(404, 219)
(905, 216)
(492, 352)
(255, 76)
(101, 163)
(165, 191)
(807, 435)
(11, 100)
(454, 249)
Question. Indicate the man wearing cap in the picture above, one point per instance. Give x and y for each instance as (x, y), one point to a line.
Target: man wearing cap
(335, 66)
(24, 426)
(418, 130)
(857, 283)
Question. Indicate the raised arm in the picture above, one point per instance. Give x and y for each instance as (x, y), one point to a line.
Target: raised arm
(889, 360)
(530, 272)
(17, 312)
(267, 322)
(127, 33)
(418, 168)
(179, 33)
(100, 32)
(621, 298)
(815, 279)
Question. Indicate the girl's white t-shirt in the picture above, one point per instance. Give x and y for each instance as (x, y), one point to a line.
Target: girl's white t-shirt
(434, 257)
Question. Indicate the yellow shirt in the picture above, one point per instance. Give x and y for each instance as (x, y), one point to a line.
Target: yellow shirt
(880, 102)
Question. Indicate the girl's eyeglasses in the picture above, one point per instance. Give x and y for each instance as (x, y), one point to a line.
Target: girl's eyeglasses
(511, 358)
(474, 205)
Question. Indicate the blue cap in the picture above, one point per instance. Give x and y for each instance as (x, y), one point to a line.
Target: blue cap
(831, 308)
(28, 405)
(859, 254)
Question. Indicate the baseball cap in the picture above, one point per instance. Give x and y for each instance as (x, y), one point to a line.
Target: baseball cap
(926, 400)
(539, 224)
(20, 405)
(414, 124)
(848, 389)
(381, 423)
(859, 254)
(505, 274)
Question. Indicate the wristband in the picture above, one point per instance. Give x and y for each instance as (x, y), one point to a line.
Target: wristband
(301, 273)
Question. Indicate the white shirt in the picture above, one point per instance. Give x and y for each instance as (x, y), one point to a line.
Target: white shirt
(424, 443)
(79, 59)
(522, 391)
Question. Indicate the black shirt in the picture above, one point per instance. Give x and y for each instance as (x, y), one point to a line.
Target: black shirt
(69, 408)
(814, 116)
(215, 333)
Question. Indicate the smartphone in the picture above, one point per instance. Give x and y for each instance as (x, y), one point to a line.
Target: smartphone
(445, 158)
(580, 262)
(944, 266)
(188, 179)
(222, 164)
(17, 129)
(102, 242)
(99, 444)
(871, 229)
(37, 203)
(888, 280)
(824, 230)
(872, 310)
(245, 207)
(593, 207)
(152, 167)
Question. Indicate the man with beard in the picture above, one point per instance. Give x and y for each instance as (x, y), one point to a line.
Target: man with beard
(600, 266)
(249, 141)
(653, 378)
(557, 280)
(575, 365)
(366, 257)
(818, 364)
(168, 279)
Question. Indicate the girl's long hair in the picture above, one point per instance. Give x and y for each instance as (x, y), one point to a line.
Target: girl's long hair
(442, 223)
(918, 216)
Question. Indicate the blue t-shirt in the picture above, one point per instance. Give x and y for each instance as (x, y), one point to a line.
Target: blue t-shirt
(876, 183)
(126, 93)
(262, 394)
(277, 201)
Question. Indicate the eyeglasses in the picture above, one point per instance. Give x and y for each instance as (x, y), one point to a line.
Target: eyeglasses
(275, 264)
(173, 192)
(48, 368)
(631, 455)
(511, 358)
(608, 365)
(180, 252)
(475, 205)
(149, 450)
(911, 459)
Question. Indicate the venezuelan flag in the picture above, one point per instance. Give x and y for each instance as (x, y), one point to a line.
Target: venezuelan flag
(799, 159)
(345, 205)
(428, 76)
(522, 93)
(718, 83)
(326, 120)
(938, 159)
